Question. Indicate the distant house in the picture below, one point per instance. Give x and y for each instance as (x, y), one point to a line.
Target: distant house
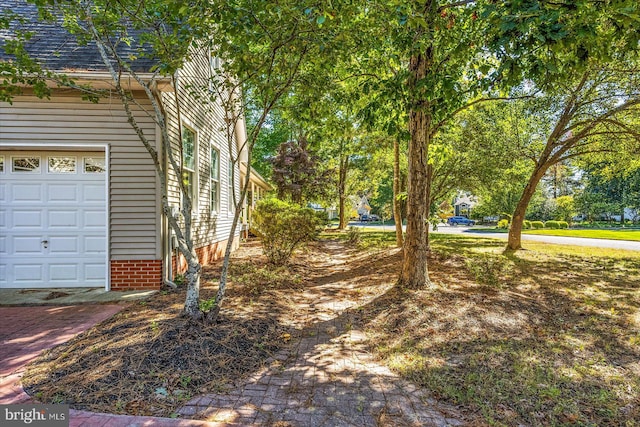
(463, 204)
(331, 211)
(363, 207)
(79, 195)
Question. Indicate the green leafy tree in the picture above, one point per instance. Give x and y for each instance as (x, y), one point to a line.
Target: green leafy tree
(589, 109)
(454, 55)
(565, 209)
(610, 187)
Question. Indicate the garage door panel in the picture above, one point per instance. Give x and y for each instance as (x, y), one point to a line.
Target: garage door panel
(63, 218)
(64, 245)
(94, 219)
(53, 201)
(62, 193)
(30, 192)
(93, 193)
(64, 272)
(94, 272)
(23, 245)
(28, 273)
(26, 219)
(95, 244)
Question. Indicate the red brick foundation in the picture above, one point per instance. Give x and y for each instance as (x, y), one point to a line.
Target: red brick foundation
(206, 255)
(132, 275)
(136, 274)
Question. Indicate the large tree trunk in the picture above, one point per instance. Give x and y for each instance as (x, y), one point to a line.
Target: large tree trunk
(397, 211)
(515, 231)
(342, 190)
(414, 265)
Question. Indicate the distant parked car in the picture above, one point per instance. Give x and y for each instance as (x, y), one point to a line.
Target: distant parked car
(460, 220)
(367, 218)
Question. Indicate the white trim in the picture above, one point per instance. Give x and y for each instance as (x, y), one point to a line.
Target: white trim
(107, 181)
(214, 212)
(70, 146)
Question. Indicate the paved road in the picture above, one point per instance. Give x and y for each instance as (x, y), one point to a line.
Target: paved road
(578, 241)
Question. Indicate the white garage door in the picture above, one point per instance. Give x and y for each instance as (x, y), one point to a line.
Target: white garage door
(52, 219)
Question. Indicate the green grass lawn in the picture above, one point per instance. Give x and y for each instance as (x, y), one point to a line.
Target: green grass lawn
(615, 234)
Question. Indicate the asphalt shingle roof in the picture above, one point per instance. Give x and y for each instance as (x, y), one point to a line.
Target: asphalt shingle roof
(56, 49)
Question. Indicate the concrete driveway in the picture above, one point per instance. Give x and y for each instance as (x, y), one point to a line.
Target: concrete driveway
(25, 332)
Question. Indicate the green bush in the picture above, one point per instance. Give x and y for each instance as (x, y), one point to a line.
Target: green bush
(488, 269)
(536, 225)
(283, 227)
(526, 224)
(354, 236)
(563, 224)
(503, 223)
(554, 225)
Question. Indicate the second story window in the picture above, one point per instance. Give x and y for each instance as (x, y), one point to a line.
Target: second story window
(189, 164)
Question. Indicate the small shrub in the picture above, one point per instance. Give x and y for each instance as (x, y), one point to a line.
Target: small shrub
(487, 269)
(503, 223)
(536, 225)
(554, 225)
(179, 280)
(563, 224)
(354, 236)
(283, 227)
(254, 281)
(526, 225)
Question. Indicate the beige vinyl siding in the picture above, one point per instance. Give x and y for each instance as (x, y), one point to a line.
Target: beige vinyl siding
(207, 119)
(134, 229)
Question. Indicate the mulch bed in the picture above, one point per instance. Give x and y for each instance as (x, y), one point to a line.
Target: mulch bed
(148, 359)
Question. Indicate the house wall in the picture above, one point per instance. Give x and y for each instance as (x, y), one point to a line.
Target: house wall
(190, 105)
(134, 215)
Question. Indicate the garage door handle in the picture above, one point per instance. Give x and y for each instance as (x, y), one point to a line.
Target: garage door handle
(45, 243)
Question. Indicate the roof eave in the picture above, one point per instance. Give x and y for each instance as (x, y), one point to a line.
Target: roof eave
(103, 80)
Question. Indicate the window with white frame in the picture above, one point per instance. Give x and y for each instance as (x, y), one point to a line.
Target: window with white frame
(231, 191)
(189, 164)
(214, 180)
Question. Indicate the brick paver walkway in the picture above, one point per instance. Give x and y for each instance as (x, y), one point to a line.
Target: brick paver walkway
(27, 331)
(327, 378)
